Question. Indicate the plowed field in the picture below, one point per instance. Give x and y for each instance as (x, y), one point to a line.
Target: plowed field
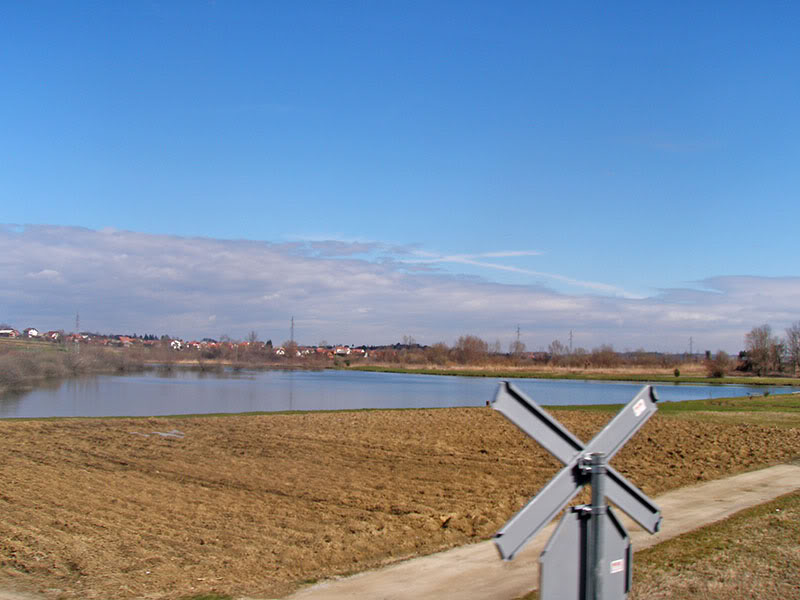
(258, 505)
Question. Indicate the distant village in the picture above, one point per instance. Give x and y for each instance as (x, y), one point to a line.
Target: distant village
(213, 348)
(468, 350)
(765, 353)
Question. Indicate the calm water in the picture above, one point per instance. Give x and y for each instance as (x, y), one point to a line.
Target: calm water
(187, 392)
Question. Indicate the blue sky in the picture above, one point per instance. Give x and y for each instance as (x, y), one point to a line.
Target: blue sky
(613, 156)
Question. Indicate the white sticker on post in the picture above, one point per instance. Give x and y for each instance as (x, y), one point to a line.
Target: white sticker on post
(639, 407)
(617, 566)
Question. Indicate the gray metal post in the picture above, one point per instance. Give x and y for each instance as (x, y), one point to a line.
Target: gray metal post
(599, 508)
(603, 570)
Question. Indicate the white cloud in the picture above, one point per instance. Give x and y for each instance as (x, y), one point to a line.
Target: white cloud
(44, 274)
(475, 261)
(124, 281)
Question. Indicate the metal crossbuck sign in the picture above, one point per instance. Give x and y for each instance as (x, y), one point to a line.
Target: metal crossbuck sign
(602, 568)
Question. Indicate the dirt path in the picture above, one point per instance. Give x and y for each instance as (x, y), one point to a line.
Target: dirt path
(476, 572)
(10, 595)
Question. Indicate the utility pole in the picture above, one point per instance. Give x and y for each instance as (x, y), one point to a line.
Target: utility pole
(691, 343)
(291, 331)
(570, 341)
(77, 331)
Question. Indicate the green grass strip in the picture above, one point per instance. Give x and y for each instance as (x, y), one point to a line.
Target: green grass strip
(635, 377)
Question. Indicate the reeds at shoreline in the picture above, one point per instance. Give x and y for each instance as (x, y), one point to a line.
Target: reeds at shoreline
(24, 368)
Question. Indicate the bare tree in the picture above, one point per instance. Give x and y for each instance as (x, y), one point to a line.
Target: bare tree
(760, 345)
(793, 345)
(578, 358)
(516, 348)
(777, 352)
(471, 349)
(290, 347)
(605, 356)
(437, 354)
(252, 337)
(719, 365)
(556, 349)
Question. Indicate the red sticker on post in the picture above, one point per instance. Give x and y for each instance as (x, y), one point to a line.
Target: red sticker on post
(639, 407)
(617, 566)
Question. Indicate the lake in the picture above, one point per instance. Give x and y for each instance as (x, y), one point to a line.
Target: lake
(184, 391)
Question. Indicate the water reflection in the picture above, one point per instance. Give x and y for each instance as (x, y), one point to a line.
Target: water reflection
(291, 390)
(10, 403)
(185, 391)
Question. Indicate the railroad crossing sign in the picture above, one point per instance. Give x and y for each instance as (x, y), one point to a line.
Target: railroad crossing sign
(602, 569)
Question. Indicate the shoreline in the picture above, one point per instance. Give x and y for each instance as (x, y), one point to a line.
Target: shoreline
(759, 393)
(26, 366)
(578, 375)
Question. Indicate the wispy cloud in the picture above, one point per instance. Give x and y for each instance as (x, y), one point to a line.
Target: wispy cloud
(124, 281)
(476, 260)
(433, 258)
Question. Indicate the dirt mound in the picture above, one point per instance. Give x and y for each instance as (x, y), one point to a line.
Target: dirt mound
(257, 505)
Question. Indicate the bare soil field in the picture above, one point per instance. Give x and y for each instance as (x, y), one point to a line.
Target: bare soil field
(258, 505)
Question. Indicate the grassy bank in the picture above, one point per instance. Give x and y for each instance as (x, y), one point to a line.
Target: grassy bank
(25, 364)
(752, 554)
(778, 410)
(596, 375)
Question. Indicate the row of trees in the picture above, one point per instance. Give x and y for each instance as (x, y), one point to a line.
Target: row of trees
(604, 356)
(472, 350)
(469, 349)
(767, 353)
(764, 353)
